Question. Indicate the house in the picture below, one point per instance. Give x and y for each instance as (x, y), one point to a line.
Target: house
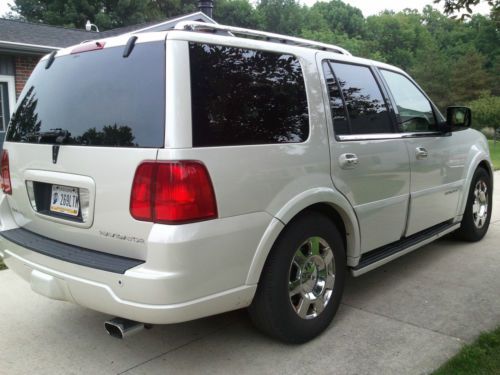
(22, 44)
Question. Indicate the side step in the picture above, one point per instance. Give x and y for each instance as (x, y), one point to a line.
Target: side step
(385, 254)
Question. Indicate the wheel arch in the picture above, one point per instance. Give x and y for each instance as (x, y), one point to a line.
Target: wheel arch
(326, 201)
(487, 166)
(480, 161)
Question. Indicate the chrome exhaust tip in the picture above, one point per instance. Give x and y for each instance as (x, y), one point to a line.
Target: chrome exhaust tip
(120, 328)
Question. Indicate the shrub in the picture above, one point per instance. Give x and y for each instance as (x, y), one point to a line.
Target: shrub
(489, 132)
(486, 112)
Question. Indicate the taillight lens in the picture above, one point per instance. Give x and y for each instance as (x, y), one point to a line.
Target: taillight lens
(5, 175)
(172, 193)
(140, 199)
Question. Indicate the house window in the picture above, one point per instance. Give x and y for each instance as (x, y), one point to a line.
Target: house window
(4, 106)
(7, 101)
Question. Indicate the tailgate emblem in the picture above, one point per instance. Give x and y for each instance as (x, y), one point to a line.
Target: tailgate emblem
(55, 153)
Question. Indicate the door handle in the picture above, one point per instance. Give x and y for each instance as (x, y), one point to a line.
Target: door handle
(348, 161)
(421, 153)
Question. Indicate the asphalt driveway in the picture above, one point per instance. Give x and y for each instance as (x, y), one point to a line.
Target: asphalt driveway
(407, 317)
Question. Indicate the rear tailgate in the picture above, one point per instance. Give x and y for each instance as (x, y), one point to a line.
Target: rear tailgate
(81, 128)
(95, 172)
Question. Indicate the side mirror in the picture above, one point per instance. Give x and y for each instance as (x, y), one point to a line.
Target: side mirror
(458, 117)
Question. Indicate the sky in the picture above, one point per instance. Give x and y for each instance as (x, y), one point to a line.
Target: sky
(4, 8)
(368, 7)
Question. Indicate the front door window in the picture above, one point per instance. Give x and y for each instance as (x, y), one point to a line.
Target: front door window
(414, 109)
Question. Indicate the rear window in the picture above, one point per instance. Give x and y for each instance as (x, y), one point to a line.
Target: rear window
(96, 98)
(242, 96)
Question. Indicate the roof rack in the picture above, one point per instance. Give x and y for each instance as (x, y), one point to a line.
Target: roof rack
(203, 26)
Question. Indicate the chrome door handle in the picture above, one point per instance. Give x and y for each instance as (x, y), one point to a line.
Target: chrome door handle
(348, 161)
(421, 153)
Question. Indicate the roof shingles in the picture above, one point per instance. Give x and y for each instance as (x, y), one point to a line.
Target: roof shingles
(39, 34)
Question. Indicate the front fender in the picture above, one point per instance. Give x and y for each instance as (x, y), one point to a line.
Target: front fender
(478, 158)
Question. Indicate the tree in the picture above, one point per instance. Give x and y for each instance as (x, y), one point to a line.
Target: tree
(456, 6)
(485, 112)
(397, 36)
(431, 68)
(454, 61)
(171, 8)
(106, 14)
(236, 13)
(468, 80)
(451, 7)
(281, 16)
(486, 39)
(340, 17)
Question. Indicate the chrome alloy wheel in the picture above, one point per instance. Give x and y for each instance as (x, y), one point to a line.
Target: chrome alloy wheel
(480, 205)
(311, 277)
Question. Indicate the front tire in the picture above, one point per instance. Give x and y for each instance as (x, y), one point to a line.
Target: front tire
(302, 281)
(477, 215)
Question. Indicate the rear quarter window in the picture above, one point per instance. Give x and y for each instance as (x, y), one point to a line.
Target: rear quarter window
(242, 96)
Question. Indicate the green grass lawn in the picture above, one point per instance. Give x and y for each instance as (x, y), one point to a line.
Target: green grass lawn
(495, 154)
(2, 266)
(480, 358)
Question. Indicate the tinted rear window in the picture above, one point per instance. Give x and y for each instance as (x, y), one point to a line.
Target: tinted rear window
(242, 96)
(363, 99)
(95, 98)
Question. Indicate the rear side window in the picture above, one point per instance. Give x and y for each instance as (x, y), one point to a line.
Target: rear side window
(356, 87)
(95, 98)
(242, 96)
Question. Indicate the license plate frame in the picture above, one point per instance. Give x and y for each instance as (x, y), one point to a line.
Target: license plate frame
(65, 200)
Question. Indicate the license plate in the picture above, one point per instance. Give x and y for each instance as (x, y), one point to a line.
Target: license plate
(65, 200)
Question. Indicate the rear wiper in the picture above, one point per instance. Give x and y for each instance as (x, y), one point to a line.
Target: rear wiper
(58, 136)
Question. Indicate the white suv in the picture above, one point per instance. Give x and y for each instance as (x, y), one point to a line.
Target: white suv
(164, 177)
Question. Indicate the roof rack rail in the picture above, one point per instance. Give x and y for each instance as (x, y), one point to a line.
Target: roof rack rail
(196, 25)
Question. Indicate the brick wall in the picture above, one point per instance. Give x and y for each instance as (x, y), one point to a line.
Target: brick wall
(24, 65)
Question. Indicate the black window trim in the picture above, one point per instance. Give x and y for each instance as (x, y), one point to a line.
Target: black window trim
(348, 117)
(435, 110)
(383, 92)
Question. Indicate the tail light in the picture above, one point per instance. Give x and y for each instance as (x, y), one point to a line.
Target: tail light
(172, 192)
(5, 176)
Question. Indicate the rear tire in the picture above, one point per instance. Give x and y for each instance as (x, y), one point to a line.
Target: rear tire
(302, 281)
(477, 215)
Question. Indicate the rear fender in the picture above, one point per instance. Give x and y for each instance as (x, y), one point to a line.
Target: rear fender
(292, 208)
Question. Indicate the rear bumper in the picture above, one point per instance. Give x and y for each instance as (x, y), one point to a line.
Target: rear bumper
(188, 274)
(100, 297)
(70, 253)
